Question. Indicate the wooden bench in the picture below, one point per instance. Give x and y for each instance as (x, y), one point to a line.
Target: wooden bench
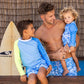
(52, 80)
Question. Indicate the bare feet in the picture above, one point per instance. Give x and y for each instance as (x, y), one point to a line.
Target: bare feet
(78, 69)
(65, 72)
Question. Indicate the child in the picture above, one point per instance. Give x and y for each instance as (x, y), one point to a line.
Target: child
(69, 16)
(30, 51)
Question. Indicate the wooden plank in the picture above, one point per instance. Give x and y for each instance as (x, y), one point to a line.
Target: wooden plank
(52, 80)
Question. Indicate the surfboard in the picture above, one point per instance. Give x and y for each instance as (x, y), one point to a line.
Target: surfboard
(11, 34)
(7, 64)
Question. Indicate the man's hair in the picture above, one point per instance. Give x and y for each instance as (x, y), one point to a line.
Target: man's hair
(45, 7)
(22, 25)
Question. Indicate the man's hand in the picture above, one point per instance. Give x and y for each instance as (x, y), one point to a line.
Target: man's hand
(23, 78)
(61, 54)
(58, 55)
(66, 48)
(49, 69)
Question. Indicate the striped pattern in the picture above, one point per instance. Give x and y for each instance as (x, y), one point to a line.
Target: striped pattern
(16, 10)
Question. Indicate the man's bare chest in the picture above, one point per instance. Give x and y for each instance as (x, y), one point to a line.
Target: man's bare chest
(51, 36)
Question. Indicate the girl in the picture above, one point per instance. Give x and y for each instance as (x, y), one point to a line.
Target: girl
(69, 16)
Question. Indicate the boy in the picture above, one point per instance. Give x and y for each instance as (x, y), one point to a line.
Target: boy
(30, 51)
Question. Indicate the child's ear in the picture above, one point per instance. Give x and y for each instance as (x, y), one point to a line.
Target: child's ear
(24, 31)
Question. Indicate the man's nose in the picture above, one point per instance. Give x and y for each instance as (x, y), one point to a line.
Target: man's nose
(54, 17)
(34, 29)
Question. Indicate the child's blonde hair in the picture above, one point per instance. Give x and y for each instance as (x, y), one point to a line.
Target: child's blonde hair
(69, 9)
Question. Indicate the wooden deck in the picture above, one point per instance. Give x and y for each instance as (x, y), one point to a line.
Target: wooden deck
(52, 80)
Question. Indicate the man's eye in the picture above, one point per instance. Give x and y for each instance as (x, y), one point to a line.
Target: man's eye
(32, 28)
(51, 16)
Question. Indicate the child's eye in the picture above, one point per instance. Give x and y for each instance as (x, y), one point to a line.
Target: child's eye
(64, 18)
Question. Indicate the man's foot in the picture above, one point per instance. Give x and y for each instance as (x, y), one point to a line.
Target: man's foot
(78, 69)
(65, 72)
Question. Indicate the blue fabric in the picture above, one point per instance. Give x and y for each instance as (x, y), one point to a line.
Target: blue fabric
(69, 35)
(81, 64)
(31, 52)
(57, 69)
(36, 68)
(42, 51)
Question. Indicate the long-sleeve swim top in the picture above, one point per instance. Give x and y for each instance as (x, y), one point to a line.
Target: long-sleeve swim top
(29, 53)
(69, 35)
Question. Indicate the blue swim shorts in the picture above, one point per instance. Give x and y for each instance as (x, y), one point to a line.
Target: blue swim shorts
(57, 69)
(36, 68)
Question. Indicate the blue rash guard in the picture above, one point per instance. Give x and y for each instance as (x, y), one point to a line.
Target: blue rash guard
(30, 52)
(69, 35)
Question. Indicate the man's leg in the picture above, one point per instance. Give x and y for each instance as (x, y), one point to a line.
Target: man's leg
(42, 75)
(71, 67)
(32, 79)
(57, 69)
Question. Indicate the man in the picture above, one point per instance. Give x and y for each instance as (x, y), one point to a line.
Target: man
(50, 33)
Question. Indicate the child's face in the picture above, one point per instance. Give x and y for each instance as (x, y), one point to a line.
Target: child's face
(68, 17)
(29, 32)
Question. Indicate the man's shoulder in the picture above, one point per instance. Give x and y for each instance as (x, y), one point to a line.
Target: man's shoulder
(39, 31)
(60, 23)
(40, 28)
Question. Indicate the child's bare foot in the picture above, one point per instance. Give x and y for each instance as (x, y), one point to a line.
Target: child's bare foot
(65, 72)
(78, 69)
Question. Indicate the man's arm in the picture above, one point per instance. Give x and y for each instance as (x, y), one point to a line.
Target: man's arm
(37, 34)
(58, 55)
(77, 41)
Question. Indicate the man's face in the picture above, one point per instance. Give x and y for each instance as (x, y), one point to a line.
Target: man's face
(50, 18)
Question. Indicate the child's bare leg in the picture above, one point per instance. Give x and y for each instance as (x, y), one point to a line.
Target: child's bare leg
(64, 67)
(76, 61)
(32, 79)
(42, 75)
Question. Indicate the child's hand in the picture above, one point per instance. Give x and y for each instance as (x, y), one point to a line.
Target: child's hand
(23, 78)
(49, 69)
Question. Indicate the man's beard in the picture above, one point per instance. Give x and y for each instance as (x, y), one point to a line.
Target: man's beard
(51, 23)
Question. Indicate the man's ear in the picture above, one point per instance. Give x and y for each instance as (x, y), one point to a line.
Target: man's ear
(42, 17)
